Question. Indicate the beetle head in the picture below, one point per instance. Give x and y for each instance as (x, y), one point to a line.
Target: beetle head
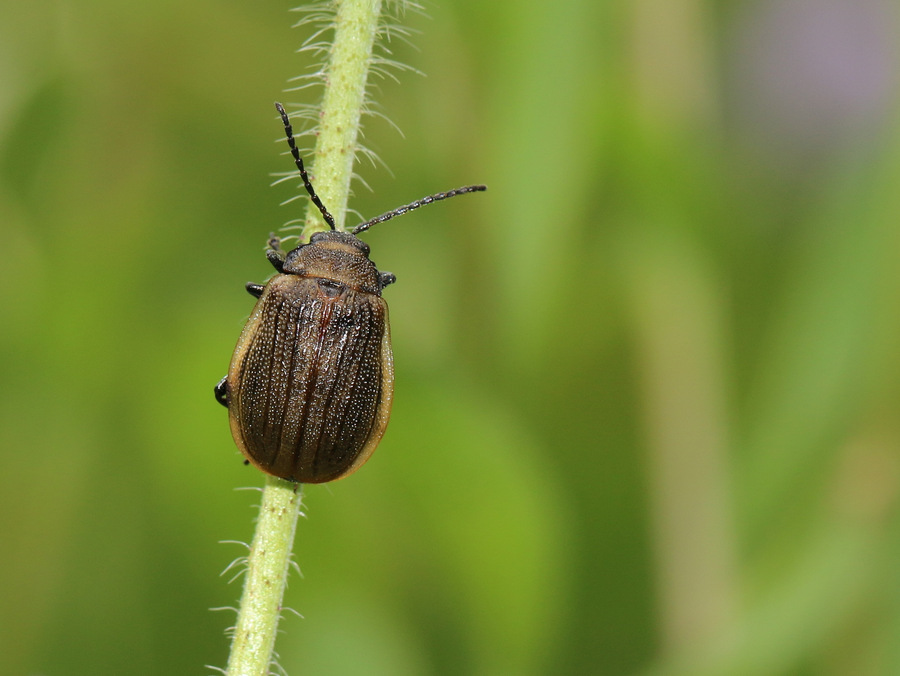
(335, 255)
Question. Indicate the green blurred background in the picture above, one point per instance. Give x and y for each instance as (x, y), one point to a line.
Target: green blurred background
(646, 415)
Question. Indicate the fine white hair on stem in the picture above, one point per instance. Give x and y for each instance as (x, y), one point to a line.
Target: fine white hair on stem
(249, 488)
(239, 564)
(220, 608)
(296, 566)
(292, 611)
(276, 668)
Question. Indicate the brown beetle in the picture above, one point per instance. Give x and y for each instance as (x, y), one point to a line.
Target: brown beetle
(310, 385)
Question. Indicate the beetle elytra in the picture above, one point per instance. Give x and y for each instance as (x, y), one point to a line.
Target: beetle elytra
(311, 381)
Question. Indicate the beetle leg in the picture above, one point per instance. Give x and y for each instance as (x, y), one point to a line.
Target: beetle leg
(221, 390)
(274, 253)
(254, 290)
(386, 278)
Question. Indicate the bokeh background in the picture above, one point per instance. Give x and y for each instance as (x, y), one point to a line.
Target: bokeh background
(647, 393)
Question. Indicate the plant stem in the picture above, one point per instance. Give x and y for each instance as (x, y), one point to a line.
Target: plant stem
(356, 25)
(267, 567)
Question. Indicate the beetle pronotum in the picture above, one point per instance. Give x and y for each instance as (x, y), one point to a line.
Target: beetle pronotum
(310, 385)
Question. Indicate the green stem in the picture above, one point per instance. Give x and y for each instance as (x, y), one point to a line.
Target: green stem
(267, 567)
(345, 92)
(356, 25)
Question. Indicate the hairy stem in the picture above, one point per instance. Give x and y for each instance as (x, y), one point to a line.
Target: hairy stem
(267, 567)
(356, 25)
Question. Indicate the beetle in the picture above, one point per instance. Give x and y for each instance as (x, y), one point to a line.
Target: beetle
(311, 380)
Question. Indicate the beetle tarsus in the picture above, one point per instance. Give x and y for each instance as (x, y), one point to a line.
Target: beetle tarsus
(274, 253)
(221, 390)
(254, 290)
(386, 278)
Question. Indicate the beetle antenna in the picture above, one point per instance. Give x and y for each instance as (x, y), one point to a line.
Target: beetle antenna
(399, 211)
(289, 132)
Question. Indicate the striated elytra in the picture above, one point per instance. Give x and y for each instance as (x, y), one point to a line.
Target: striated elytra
(311, 382)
